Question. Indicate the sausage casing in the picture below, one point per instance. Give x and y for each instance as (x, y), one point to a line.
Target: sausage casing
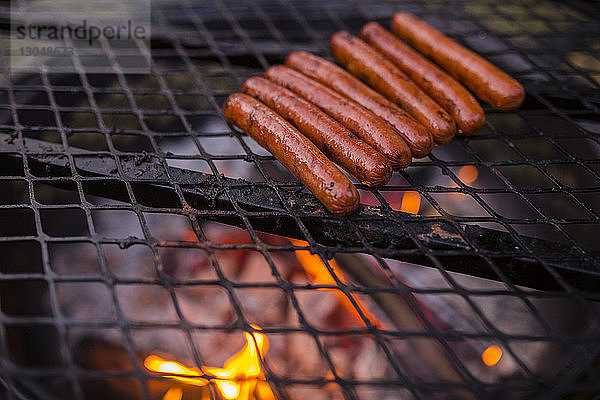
(415, 135)
(333, 139)
(298, 154)
(484, 79)
(448, 93)
(369, 65)
(360, 121)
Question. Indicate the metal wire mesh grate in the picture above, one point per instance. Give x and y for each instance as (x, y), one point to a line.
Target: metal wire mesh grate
(96, 166)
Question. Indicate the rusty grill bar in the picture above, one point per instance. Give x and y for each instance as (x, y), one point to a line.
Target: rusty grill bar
(157, 144)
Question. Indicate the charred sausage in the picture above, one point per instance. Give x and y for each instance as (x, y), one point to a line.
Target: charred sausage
(414, 134)
(485, 80)
(448, 93)
(360, 121)
(338, 143)
(298, 154)
(369, 65)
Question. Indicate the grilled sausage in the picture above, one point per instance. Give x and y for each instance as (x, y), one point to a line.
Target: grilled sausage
(304, 160)
(451, 95)
(482, 78)
(414, 134)
(338, 143)
(360, 121)
(379, 72)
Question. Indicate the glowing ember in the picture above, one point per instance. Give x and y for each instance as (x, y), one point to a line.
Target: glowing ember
(240, 378)
(318, 273)
(491, 355)
(411, 202)
(468, 174)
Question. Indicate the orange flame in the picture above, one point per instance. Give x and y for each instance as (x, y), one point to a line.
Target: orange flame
(468, 174)
(491, 356)
(411, 202)
(318, 273)
(173, 393)
(240, 378)
(189, 236)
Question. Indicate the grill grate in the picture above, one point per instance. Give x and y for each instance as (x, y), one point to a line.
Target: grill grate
(128, 137)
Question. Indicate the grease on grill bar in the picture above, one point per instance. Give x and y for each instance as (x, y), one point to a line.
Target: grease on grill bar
(135, 223)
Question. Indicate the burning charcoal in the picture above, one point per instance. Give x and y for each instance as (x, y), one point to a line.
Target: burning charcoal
(186, 264)
(96, 354)
(240, 377)
(245, 266)
(320, 306)
(146, 303)
(133, 262)
(329, 391)
(296, 356)
(96, 306)
(205, 305)
(168, 226)
(370, 363)
(266, 306)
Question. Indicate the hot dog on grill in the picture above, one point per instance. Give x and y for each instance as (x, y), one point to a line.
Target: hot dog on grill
(414, 134)
(379, 72)
(482, 78)
(298, 154)
(338, 143)
(451, 95)
(360, 121)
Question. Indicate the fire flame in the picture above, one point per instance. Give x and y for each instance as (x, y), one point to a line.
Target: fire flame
(173, 393)
(468, 174)
(318, 273)
(411, 202)
(491, 356)
(240, 378)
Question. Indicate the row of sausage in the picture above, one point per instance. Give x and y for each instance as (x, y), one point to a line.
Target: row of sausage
(390, 104)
